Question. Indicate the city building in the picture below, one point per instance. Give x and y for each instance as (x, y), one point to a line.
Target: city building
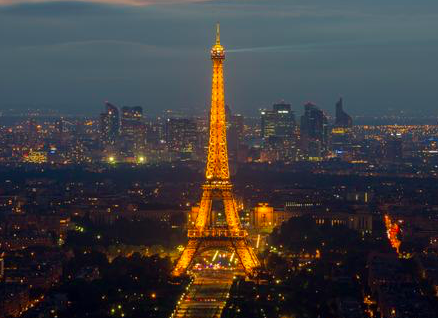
(314, 131)
(235, 135)
(341, 135)
(109, 125)
(14, 300)
(393, 149)
(397, 294)
(265, 218)
(340, 143)
(182, 138)
(342, 118)
(133, 129)
(278, 129)
(278, 122)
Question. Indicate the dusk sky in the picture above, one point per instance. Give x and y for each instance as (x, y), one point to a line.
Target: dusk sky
(73, 55)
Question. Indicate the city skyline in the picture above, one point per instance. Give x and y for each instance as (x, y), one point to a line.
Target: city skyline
(154, 208)
(141, 55)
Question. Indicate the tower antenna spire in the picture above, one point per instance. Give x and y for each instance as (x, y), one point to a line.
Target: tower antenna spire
(218, 33)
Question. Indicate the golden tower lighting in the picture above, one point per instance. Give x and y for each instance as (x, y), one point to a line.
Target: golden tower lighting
(206, 235)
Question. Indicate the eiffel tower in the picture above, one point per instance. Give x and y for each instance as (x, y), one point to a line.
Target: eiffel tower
(206, 235)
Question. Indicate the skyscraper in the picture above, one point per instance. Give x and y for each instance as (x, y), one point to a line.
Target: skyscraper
(278, 133)
(314, 123)
(279, 122)
(109, 124)
(340, 140)
(182, 136)
(133, 128)
(342, 118)
(235, 130)
(314, 130)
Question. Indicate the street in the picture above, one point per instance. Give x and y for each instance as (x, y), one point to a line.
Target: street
(206, 296)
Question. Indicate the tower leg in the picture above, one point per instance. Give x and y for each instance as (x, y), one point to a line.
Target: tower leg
(204, 209)
(186, 258)
(231, 214)
(247, 256)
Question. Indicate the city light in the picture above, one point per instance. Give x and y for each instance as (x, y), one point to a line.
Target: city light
(287, 209)
(215, 255)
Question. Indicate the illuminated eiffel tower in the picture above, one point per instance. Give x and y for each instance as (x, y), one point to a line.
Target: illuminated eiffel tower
(206, 235)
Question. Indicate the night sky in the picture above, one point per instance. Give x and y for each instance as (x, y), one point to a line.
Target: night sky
(72, 56)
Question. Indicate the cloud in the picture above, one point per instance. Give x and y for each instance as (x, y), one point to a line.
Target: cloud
(96, 48)
(155, 52)
(334, 45)
(119, 2)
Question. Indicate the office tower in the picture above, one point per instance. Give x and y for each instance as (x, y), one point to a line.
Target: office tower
(314, 123)
(182, 136)
(279, 122)
(155, 131)
(314, 131)
(267, 123)
(133, 129)
(235, 131)
(109, 124)
(340, 141)
(342, 118)
(285, 120)
(278, 133)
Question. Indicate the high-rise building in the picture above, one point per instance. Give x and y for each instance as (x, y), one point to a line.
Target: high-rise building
(314, 130)
(314, 123)
(235, 131)
(182, 135)
(279, 122)
(342, 118)
(340, 141)
(109, 124)
(285, 120)
(278, 133)
(155, 131)
(133, 128)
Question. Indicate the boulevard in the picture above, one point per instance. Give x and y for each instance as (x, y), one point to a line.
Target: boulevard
(206, 296)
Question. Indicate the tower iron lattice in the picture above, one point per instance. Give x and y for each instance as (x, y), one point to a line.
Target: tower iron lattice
(206, 235)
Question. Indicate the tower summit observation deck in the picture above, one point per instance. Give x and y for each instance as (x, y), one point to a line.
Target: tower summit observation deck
(206, 234)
